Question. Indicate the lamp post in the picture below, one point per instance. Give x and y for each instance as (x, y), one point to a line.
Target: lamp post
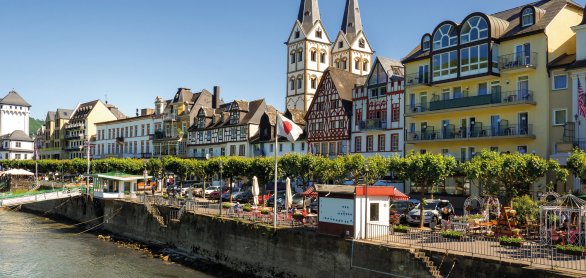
(366, 201)
(144, 175)
(221, 181)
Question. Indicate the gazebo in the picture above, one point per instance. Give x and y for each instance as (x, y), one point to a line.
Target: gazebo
(113, 185)
(563, 220)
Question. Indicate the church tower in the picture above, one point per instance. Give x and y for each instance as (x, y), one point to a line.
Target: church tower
(308, 51)
(352, 51)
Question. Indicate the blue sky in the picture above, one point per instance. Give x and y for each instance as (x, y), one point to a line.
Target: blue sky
(62, 52)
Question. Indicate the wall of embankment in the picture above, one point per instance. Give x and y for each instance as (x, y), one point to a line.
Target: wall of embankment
(257, 250)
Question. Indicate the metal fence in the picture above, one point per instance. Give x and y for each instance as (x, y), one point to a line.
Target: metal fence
(476, 245)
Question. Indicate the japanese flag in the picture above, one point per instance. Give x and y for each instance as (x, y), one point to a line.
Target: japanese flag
(288, 128)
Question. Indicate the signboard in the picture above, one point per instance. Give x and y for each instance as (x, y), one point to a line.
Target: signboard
(336, 211)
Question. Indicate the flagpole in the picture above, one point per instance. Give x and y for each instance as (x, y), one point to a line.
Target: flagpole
(276, 165)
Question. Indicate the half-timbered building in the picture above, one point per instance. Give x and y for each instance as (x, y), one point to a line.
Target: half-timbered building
(226, 131)
(328, 117)
(264, 143)
(377, 121)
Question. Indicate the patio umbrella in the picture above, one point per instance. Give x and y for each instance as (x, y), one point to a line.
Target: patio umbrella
(255, 190)
(288, 195)
(19, 172)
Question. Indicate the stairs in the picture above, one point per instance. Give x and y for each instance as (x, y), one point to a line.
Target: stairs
(154, 212)
(179, 213)
(420, 255)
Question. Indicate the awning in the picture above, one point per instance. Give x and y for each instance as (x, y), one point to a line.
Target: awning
(399, 196)
(310, 192)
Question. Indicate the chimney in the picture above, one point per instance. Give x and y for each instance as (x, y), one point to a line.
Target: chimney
(137, 112)
(216, 98)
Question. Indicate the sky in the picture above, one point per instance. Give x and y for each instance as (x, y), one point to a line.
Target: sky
(59, 53)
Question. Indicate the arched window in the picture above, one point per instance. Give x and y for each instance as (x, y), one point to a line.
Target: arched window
(292, 57)
(344, 65)
(322, 58)
(357, 64)
(365, 65)
(445, 36)
(527, 18)
(426, 43)
(300, 55)
(299, 82)
(474, 29)
(313, 55)
(292, 84)
(314, 82)
(337, 63)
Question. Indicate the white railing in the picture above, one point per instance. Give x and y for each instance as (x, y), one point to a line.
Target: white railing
(533, 253)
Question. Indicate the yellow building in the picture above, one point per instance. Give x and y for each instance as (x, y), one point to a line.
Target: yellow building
(54, 137)
(483, 82)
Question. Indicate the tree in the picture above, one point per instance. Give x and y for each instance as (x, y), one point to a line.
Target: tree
(354, 165)
(378, 167)
(427, 170)
(576, 164)
(485, 168)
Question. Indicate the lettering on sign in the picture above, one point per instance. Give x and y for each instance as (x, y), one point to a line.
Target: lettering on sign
(336, 211)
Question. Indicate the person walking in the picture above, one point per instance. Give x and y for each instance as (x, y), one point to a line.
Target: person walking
(446, 216)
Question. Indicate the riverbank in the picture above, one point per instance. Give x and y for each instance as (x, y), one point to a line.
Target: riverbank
(258, 250)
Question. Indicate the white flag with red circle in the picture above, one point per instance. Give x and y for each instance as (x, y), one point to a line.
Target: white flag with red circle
(288, 128)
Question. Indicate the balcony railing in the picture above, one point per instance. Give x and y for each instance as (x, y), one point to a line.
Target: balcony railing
(518, 60)
(372, 124)
(171, 117)
(73, 137)
(72, 149)
(502, 130)
(415, 79)
(511, 97)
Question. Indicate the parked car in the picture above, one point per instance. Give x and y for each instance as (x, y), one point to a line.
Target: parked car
(314, 207)
(244, 197)
(298, 201)
(280, 200)
(431, 211)
(211, 189)
(402, 208)
(235, 192)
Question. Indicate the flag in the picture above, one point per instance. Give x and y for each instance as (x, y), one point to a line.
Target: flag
(288, 128)
(581, 107)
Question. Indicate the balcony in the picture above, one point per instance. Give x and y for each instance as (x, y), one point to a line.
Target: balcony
(417, 79)
(372, 124)
(73, 149)
(73, 136)
(171, 118)
(476, 132)
(518, 61)
(501, 98)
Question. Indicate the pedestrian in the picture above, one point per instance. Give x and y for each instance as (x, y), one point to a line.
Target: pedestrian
(446, 215)
(152, 188)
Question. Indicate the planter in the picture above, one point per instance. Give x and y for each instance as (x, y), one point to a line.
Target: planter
(571, 252)
(264, 212)
(452, 236)
(513, 244)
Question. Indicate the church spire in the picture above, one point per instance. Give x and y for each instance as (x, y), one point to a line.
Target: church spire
(308, 14)
(352, 23)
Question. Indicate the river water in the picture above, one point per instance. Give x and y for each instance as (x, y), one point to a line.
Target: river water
(33, 246)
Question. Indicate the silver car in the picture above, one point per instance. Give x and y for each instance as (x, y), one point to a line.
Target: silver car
(431, 212)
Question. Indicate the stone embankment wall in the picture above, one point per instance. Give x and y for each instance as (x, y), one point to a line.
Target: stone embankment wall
(259, 250)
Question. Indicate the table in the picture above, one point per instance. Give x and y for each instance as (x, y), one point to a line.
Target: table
(311, 219)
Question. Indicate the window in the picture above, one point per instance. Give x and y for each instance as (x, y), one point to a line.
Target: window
(234, 117)
(313, 55)
(292, 58)
(374, 211)
(318, 33)
(482, 89)
(358, 144)
(300, 56)
(559, 116)
(522, 149)
(18, 144)
(426, 43)
(344, 66)
(292, 147)
(382, 143)
(369, 143)
(495, 58)
(457, 92)
(357, 64)
(337, 64)
(299, 83)
(446, 94)
(560, 82)
(361, 43)
(340, 44)
(445, 36)
(281, 147)
(445, 65)
(474, 60)
(223, 151)
(394, 142)
(527, 18)
(495, 87)
(297, 34)
(395, 112)
(423, 74)
(322, 58)
(292, 84)
(313, 83)
(365, 65)
(232, 150)
(302, 146)
(474, 29)
(242, 150)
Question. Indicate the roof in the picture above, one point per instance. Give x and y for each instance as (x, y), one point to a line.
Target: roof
(17, 135)
(577, 64)
(183, 95)
(562, 61)
(507, 24)
(119, 115)
(254, 108)
(351, 23)
(297, 116)
(128, 119)
(345, 82)
(308, 14)
(84, 110)
(63, 113)
(51, 115)
(360, 190)
(14, 98)
(121, 176)
(394, 66)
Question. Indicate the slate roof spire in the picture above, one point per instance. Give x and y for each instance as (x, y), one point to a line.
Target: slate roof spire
(308, 14)
(352, 23)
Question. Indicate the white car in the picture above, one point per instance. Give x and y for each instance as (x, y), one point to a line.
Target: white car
(431, 212)
(211, 189)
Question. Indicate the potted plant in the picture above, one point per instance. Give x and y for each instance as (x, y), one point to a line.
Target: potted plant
(298, 216)
(247, 208)
(264, 211)
(452, 234)
(401, 229)
(571, 250)
(226, 205)
(511, 241)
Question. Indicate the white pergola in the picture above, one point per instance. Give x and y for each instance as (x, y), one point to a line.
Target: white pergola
(553, 214)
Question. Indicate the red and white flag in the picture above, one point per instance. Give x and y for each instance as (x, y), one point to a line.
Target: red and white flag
(288, 128)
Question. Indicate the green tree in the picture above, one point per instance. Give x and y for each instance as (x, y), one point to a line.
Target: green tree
(353, 165)
(485, 169)
(378, 167)
(427, 170)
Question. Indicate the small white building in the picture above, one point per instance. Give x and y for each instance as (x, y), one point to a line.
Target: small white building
(16, 145)
(14, 114)
(127, 138)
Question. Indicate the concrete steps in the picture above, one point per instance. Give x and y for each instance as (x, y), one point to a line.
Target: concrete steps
(420, 255)
(154, 212)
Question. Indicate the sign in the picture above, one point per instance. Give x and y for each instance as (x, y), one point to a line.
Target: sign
(336, 211)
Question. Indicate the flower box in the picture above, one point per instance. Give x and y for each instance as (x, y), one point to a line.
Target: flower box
(571, 250)
(401, 229)
(264, 211)
(452, 234)
(511, 241)
(247, 208)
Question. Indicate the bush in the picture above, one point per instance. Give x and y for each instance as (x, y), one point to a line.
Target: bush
(247, 208)
(298, 216)
(264, 211)
(511, 241)
(571, 249)
(452, 234)
(527, 209)
(475, 216)
(401, 229)
(226, 205)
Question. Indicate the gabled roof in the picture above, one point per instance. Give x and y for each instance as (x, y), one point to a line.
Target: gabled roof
(17, 135)
(83, 110)
(51, 115)
(392, 67)
(506, 24)
(183, 95)
(297, 116)
(255, 111)
(119, 115)
(13, 98)
(64, 113)
(345, 82)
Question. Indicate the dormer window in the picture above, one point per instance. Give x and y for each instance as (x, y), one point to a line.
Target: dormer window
(234, 117)
(361, 43)
(340, 44)
(445, 36)
(426, 43)
(201, 122)
(318, 33)
(297, 34)
(527, 17)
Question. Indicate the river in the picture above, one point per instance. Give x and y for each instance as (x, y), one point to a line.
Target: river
(33, 246)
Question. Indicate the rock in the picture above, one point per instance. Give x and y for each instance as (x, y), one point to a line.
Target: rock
(165, 258)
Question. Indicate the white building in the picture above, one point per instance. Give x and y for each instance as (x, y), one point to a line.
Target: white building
(351, 50)
(16, 145)
(127, 138)
(308, 49)
(264, 143)
(377, 116)
(14, 114)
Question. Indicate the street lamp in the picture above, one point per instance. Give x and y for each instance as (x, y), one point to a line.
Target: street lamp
(366, 170)
(144, 175)
(221, 182)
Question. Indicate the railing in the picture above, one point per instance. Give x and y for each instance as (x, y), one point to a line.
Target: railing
(73, 149)
(518, 60)
(472, 244)
(415, 79)
(504, 130)
(171, 117)
(73, 137)
(372, 124)
(510, 97)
